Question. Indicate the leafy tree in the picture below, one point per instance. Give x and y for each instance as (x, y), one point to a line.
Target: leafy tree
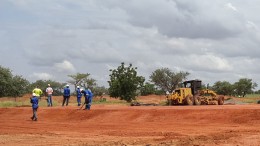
(19, 86)
(12, 85)
(257, 92)
(99, 91)
(124, 82)
(5, 81)
(224, 88)
(83, 80)
(148, 89)
(244, 86)
(166, 79)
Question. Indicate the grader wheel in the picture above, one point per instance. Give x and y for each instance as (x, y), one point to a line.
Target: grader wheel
(197, 100)
(220, 100)
(189, 100)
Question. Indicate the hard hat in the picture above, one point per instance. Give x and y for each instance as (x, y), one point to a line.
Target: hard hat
(67, 85)
(33, 94)
(81, 90)
(77, 86)
(49, 85)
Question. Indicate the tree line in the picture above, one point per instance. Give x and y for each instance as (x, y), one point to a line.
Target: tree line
(124, 83)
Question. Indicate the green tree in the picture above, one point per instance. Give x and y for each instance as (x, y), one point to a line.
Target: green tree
(148, 89)
(82, 80)
(19, 86)
(244, 86)
(223, 87)
(166, 79)
(12, 85)
(5, 81)
(124, 82)
(99, 91)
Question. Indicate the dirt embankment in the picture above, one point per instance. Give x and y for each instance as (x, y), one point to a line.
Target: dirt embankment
(127, 125)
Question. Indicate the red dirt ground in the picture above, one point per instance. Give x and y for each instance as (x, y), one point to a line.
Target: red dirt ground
(132, 125)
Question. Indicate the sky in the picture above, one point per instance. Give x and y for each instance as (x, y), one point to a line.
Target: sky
(51, 39)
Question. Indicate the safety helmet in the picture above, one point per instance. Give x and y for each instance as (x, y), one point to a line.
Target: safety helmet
(67, 85)
(77, 86)
(33, 94)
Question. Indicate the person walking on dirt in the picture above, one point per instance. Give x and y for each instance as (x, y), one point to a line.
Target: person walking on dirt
(66, 95)
(78, 96)
(88, 98)
(38, 92)
(49, 92)
(34, 101)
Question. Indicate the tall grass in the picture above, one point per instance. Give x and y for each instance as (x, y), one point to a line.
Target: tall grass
(252, 96)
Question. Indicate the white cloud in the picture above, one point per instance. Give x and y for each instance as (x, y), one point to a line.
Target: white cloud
(252, 25)
(64, 66)
(230, 6)
(41, 76)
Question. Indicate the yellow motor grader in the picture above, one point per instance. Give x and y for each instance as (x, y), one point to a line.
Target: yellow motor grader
(192, 94)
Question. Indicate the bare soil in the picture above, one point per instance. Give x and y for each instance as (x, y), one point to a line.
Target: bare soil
(207, 125)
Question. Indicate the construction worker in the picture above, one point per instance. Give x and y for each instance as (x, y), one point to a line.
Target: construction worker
(34, 101)
(49, 92)
(78, 96)
(66, 95)
(38, 92)
(88, 98)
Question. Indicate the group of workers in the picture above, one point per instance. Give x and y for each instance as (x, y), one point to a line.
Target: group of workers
(37, 92)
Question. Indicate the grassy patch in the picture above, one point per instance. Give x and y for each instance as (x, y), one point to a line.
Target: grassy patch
(12, 104)
(252, 96)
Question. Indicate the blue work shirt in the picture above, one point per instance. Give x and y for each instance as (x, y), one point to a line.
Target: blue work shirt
(66, 91)
(78, 93)
(34, 101)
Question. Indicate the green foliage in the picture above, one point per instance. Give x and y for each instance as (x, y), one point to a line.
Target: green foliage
(82, 80)
(5, 80)
(99, 91)
(10, 104)
(124, 82)
(244, 86)
(159, 92)
(148, 89)
(223, 88)
(12, 85)
(257, 92)
(166, 79)
(241, 88)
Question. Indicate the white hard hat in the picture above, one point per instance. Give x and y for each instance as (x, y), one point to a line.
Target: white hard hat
(33, 94)
(67, 85)
(77, 86)
(49, 85)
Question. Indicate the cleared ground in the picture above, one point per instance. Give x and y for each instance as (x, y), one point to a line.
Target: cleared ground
(132, 125)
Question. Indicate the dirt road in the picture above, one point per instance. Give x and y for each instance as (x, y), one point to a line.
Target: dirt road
(126, 125)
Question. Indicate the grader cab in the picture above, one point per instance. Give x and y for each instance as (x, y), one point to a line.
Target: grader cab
(192, 94)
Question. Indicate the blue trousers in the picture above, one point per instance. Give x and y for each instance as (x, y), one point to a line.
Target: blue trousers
(49, 100)
(79, 101)
(88, 101)
(34, 117)
(66, 99)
